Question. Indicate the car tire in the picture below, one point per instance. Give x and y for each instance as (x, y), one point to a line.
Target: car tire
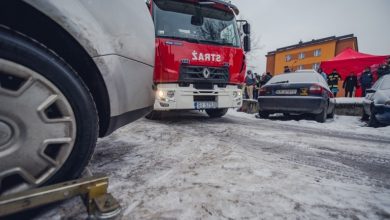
(331, 115)
(373, 121)
(321, 117)
(51, 112)
(365, 116)
(217, 113)
(263, 114)
(154, 115)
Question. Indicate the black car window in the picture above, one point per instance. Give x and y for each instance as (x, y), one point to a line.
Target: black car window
(295, 78)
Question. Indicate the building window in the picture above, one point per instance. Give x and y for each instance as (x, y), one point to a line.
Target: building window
(317, 53)
(301, 56)
(288, 58)
(316, 66)
(301, 67)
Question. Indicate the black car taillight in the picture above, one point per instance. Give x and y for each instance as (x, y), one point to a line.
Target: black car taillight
(316, 90)
(263, 91)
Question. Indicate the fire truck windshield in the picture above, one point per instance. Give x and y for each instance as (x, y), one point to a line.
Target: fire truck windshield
(195, 23)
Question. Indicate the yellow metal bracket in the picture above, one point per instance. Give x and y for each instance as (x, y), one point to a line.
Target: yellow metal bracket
(99, 203)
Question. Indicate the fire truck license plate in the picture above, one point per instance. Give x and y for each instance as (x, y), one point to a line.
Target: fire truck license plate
(205, 105)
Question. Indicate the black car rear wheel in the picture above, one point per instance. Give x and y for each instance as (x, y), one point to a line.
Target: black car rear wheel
(263, 114)
(321, 117)
(331, 115)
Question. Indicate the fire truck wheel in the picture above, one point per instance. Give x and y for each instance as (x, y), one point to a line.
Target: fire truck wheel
(216, 113)
(154, 115)
(48, 119)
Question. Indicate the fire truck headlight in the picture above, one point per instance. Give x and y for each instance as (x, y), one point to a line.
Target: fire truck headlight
(236, 94)
(160, 94)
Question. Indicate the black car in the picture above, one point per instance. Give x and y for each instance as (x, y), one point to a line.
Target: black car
(376, 104)
(301, 92)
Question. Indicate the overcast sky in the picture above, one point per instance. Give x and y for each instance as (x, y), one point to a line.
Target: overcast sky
(279, 23)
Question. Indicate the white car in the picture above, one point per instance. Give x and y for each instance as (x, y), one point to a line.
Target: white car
(70, 71)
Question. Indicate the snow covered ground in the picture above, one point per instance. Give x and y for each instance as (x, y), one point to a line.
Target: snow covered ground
(356, 100)
(188, 166)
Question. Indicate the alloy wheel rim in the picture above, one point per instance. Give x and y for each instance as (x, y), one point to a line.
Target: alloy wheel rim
(38, 125)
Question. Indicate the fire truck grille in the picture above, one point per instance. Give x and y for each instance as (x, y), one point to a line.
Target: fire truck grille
(200, 74)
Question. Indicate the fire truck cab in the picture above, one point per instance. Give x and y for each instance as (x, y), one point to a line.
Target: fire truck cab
(200, 56)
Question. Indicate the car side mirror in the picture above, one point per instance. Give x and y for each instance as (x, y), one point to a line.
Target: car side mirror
(197, 20)
(247, 43)
(370, 91)
(246, 28)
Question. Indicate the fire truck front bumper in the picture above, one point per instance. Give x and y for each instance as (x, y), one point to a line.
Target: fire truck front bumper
(174, 97)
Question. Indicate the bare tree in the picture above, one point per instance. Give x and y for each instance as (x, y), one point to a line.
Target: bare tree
(254, 54)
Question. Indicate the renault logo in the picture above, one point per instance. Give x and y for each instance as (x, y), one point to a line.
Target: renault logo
(206, 73)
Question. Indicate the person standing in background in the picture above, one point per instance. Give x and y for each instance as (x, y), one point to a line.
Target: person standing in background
(350, 84)
(250, 82)
(333, 82)
(366, 80)
(267, 77)
(384, 69)
(256, 86)
(323, 74)
(286, 69)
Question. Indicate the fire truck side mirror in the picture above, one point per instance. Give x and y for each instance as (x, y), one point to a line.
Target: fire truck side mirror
(247, 28)
(247, 43)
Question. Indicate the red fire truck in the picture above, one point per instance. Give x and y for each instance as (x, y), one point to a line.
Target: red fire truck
(200, 56)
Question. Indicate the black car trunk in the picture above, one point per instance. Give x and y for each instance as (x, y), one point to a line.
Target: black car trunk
(287, 89)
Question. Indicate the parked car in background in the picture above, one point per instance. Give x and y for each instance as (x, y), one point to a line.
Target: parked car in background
(70, 71)
(301, 92)
(376, 104)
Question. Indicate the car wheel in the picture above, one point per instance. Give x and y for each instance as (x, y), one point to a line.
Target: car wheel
(365, 116)
(154, 115)
(263, 114)
(48, 119)
(216, 113)
(321, 117)
(331, 115)
(373, 121)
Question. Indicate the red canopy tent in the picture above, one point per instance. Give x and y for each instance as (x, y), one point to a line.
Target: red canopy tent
(351, 61)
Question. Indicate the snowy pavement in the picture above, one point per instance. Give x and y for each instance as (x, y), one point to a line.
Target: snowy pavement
(355, 100)
(188, 166)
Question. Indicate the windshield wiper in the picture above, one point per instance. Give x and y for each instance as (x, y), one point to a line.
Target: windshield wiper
(216, 42)
(280, 82)
(192, 40)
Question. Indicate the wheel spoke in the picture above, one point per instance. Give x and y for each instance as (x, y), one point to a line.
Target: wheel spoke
(62, 129)
(26, 85)
(28, 170)
(45, 104)
(58, 144)
(28, 177)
